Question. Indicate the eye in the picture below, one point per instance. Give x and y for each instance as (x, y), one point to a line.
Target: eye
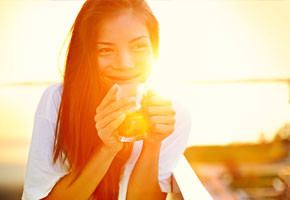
(140, 46)
(105, 51)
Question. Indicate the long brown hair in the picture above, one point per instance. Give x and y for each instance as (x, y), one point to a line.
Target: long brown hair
(76, 137)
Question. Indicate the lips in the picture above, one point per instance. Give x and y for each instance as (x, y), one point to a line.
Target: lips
(123, 77)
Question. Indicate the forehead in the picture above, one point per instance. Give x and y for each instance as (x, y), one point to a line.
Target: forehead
(124, 26)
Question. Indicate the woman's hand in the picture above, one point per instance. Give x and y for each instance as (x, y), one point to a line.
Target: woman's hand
(109, 115)
(160, 115)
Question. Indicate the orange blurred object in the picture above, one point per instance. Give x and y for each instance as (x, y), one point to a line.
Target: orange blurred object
(133, 128)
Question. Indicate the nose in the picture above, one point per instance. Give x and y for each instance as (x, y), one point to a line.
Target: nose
(125, 61)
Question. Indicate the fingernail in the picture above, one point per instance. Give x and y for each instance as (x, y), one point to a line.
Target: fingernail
(118, 92)
(116, 86)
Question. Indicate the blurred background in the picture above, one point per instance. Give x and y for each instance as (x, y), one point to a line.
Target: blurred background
(228, 61)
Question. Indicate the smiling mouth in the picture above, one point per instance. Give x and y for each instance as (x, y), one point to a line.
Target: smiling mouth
(123, 78)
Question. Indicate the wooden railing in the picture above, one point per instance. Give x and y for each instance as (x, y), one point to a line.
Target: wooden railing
(284, 175)
(186, 184)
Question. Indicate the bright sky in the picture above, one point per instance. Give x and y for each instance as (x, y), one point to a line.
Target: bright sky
(203, 39)
(199, 40)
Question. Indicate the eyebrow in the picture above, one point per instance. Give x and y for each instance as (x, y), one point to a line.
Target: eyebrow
(133, 40)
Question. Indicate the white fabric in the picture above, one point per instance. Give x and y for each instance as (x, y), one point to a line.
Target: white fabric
(42, 175)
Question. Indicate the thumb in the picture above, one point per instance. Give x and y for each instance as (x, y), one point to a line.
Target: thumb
(151, 93)
(146, 97)
(118, 93)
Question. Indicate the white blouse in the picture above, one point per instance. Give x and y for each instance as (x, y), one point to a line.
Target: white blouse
(41, 175)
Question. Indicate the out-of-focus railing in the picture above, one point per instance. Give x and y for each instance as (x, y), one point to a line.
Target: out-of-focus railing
(186, 185)
(284, 175)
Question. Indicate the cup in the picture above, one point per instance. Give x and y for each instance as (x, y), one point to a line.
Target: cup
(135, 126)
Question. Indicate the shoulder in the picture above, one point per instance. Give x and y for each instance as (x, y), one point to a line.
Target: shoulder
(49, 102)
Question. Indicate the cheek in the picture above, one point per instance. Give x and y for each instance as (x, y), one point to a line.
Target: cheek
(145, 64)
(103, 63)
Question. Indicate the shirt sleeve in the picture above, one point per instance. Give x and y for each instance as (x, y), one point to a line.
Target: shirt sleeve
(41, 174)
(173, 147)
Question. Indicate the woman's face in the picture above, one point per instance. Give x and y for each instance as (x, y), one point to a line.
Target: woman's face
(124, 51)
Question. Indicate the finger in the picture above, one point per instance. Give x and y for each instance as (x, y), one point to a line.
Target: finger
(109, 97)
(107, 132)
(116, 134)
(150, 93)
(157, 100)
(109, 118)
(126, 110)
(162, 120)
(117, 105)
(111, 127)
(161, 110)
(163, 128)
(129, 109)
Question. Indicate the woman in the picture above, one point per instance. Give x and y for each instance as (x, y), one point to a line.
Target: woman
(75, 152)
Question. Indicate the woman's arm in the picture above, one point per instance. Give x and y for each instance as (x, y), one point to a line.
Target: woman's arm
(143, 183)
(86, 183)
(109, 115)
